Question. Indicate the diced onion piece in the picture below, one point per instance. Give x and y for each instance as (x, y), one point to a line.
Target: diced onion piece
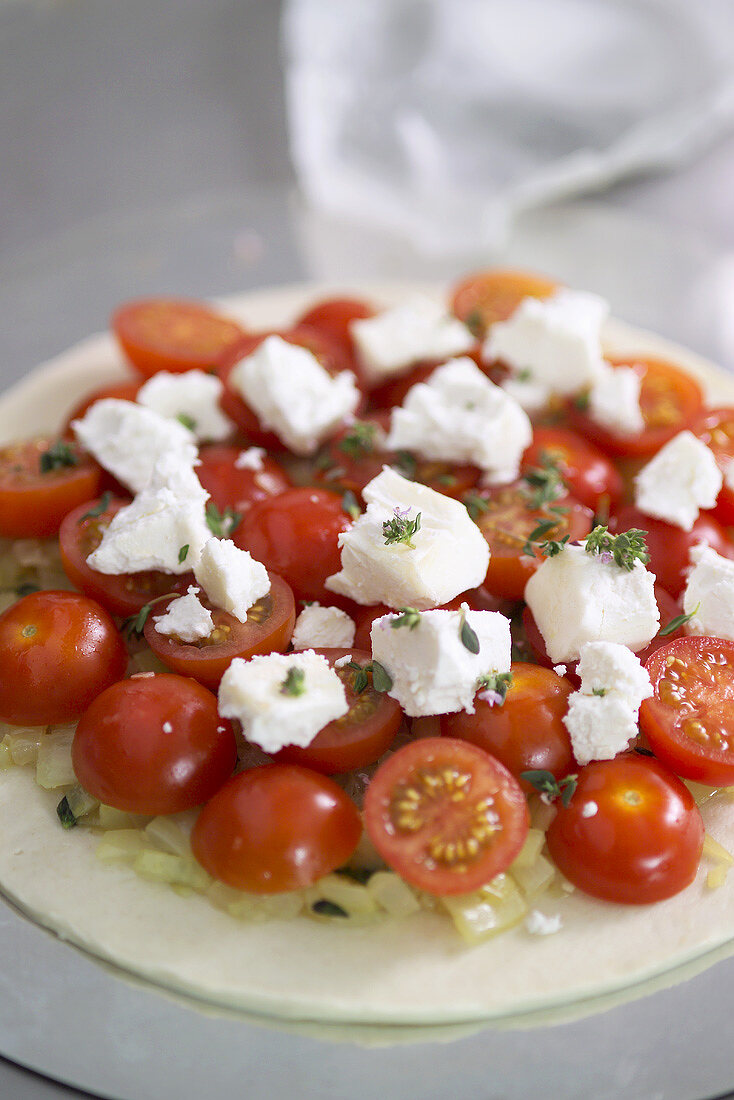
(111, 818)
(80, 803)
(535, 879)
(120, 844)
(717, 876)
(53, 761)
(173, 870)
(715, 851)
(496, 907)
(245, 906)
(392, 894)
(6, 756)
(530, 850)
(24, 742)
(354, 899)
(168, 835)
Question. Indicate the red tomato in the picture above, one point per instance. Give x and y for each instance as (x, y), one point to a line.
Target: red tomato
(295, 536)
(58, 651)
(489, 296)
(393, 392)
(355, 455)
(120, 391)
(445, 815)
(153, 745)
(716, 428)
(234, 487)
(123, 594)
(689, 721)
(670, 546)
(506, 519)
(364, 733)
(527, 731)
(173, 335)
(669, 399)
(276, 828)
(268, 629)
(645, 839)
(333, 317)
(33, 502)
(586, 470)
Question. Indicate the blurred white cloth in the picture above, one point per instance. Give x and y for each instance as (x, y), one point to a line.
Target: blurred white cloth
(439, 120)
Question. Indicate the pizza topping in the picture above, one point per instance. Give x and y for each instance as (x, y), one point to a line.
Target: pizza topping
(389, 343)
(614, 399)
(191, 398)
(251, 459)
(679, 481)
(602, 715)
(231, 578)
(186, 618)
(319, 626)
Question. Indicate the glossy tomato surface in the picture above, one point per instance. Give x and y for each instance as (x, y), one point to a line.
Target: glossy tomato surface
(276, 828)
(632, 832)
(153, 745)
(333, 317)
(58, 652)
(34, 501)
(445, 815)
(172, 334)
(590, 476)
(488, 296)
(238, 487)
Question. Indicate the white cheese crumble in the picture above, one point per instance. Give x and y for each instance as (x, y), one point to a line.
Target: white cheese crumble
(560, 670)
(254, 692)
(448, 554)
(420, 328)
(293, 395)
(530, 396)
(431, 669)
(320, 627)
(556, 339)
(539, 924)
(614, 400)
(186, 618)
(231, 577)
(192, 398)
(577, 597)
(682, 478)
(340, 662)
(709, 593)
(129, 441)
(589, 809)
(458, 415)
(251, 459)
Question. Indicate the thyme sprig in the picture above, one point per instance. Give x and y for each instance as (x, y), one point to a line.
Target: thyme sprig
(624, 549)
(401, 529)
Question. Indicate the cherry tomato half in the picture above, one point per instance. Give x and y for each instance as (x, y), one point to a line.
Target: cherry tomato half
(445, 815)
(488, 296)
(715, 427)
(276, 828)
(33, 501)
(173, 335)
(235, 487)
(588, 473)
(268, 629)
(333, 318)
(643, 841)
(153, 745)
(689, 721)
(58, 651)
(120, 391)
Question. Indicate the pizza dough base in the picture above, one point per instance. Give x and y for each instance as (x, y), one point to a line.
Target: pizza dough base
(415, 971)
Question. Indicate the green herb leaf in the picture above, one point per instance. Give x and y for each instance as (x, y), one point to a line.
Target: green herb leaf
(350, 505)
(601, 692)
(582, 401)
(524, 375)
(360, 440)
(328, 908)
(135, 624)
(406, 464)
(381, 679)
(624, 549)
(401, 529)
(360, 681)
(474, 321)
(99, 509)
(221, 524)
(183, 553)
(547, 784)
(187, 421)
(543, 528)
(475, 505)
(499, 683)
(407, 616)
(677, 622)
(468, 636)
(294, 683)
(58, 456)
(551, 548)
(447, 480)
(65, 814)
(545, 482)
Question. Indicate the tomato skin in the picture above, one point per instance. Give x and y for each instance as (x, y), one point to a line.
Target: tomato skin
(33, 504)
(688, 721)
(123, 755)
(172, 334)
(207, 661)
(361, 736)
(670, 546)
(120, 391)
(527, 731)
(58, 651)
(333, 318)
(587, 471)
(232, 487)
(295, 536)
(276, 828)
(715, 427)
(645, 840)
(436, 821)
(488, 296)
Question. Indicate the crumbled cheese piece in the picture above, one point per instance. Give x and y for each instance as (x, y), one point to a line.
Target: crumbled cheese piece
(531, 396)
(253, 692)
(589, 809)
(292, 394)
(340, 662)
(458, 415)
(608, 666)
(539, 924)
(186, 618)
(389, 343)
(231, 578)
(251, 459)
(556, 339)
(614, 400)
(709, 593)
(449, 554)
(320, 627)
(602, 715)
(431, 669)
(129, 440)
(191, 397)
(560, 670)
(167, 727)
(682, 478)
(577, 597)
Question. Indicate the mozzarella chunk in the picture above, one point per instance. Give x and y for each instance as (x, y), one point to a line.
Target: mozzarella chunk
(577, 597)
(419, 328)
(431, 669)
(129, 440)
(255, 693)
(458, 415)
(682, 478)
(610, 667)
(251, 459)
(192, 398)
(231, 578)
(530, 396)
(186, 618)
(614, 400)
(600, 726)
(320, 627)
(709, 593)
(293, 395)
(556, 339)
(448, 554)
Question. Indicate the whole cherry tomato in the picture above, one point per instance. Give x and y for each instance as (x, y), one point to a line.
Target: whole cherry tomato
(238, 487)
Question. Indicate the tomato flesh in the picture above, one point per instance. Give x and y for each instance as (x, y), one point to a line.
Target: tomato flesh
(173, 335)
(489, 296)
(445, 815)
(235, 487)
(33, 503)
(588, 473)
(715, 428)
